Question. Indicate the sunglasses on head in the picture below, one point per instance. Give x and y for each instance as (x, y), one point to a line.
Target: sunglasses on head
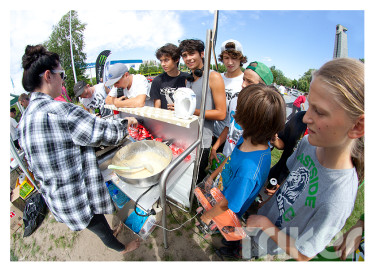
(61, 72)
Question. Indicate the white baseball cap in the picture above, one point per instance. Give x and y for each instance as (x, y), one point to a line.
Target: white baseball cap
(237, 46)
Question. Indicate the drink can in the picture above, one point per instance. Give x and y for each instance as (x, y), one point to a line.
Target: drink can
(272, 185)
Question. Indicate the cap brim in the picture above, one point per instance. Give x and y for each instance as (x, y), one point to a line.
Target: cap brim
(112, 81)
(80, 92)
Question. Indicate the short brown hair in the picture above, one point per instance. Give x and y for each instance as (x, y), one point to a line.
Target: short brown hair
(22, 97)
(191, 45)
(234, 54)
(168, 49)
(260, 112)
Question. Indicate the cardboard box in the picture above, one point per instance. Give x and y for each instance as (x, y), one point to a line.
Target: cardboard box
(16, 199)
(16, 220)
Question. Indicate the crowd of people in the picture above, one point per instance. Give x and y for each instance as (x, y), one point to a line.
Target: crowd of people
(245, 117)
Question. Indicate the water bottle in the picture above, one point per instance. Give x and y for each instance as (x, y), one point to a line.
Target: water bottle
(119, 198)
(110, 187)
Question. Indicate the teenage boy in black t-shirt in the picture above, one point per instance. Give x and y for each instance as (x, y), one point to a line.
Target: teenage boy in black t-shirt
(163, 85)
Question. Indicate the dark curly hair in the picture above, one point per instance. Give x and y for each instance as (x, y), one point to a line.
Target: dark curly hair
(190, 45)
(35, 61)
(169, 50)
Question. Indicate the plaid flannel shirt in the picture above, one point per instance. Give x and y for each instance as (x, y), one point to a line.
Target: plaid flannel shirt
(59, 139)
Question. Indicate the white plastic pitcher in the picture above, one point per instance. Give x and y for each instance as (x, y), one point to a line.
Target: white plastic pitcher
(184, 103)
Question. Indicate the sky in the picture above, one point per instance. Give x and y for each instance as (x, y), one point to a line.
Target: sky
(293, 41)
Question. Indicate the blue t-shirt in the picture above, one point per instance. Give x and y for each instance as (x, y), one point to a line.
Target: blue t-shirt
(243, 176)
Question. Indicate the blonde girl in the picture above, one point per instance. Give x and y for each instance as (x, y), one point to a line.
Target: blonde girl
(317, 197)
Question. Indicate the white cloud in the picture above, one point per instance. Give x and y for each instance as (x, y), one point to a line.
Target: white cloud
(267, 59)
(117, 31)
(124, 30)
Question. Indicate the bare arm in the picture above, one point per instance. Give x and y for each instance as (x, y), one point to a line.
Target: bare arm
(157, 103)
(217, 86)
(110, 100)
(277, 142)
(218, 143)
(107, 90)
(283, 240)
(134, 102)
(216, 210)
(86, 109)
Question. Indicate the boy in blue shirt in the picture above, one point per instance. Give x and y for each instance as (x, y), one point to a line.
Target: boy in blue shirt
(261, 113)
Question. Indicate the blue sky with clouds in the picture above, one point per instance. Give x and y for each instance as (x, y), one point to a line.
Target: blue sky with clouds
(292, 40)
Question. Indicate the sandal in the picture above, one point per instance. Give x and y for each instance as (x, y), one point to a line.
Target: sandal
(231, 243)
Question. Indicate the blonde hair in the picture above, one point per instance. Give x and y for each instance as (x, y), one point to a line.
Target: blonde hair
(345, 76)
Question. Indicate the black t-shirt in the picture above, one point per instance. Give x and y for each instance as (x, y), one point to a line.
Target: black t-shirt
(163, 84)
(291, 134)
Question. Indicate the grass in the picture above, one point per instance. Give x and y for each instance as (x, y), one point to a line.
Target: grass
(13, 257)
(359, 209)
(275, 156)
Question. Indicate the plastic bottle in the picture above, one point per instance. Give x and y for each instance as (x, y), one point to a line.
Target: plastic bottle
(119, 198)
(110, 187)
(272, 185)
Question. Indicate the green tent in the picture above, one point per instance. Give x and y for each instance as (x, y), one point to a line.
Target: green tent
(13, 99)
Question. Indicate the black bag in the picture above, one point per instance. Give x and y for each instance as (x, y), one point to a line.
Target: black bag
(34, 213)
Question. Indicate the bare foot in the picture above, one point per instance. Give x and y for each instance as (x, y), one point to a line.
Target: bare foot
(133, 245)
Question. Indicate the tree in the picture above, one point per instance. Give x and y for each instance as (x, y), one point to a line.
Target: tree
(220, 68)
(132, 71)
(278, 77)
(59, 42)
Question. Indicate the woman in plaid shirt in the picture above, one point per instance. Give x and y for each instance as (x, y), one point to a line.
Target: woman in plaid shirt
(59, 140)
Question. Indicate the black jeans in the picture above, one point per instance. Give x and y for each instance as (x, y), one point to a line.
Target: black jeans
(100, 227)
(203, 164)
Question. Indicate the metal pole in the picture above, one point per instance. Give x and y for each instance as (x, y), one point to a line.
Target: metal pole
(20, 163)
(206, 75)
(71, 48)
(214, 35)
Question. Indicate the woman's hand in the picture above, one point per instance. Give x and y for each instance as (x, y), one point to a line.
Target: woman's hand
(132, 122)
